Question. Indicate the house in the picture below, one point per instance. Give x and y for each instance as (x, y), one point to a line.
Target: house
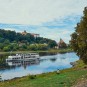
(33, 34)
(24, 33)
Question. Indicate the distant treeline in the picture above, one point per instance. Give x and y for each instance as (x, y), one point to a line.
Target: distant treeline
(12, 41)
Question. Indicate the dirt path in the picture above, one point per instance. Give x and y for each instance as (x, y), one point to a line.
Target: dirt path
(82, 83)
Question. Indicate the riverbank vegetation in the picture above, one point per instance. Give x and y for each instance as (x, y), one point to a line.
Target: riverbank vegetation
(41, 51)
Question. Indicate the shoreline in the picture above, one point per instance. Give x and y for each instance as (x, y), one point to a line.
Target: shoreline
(41, 74)
(38, 51)
(51, 51)
(45, 73)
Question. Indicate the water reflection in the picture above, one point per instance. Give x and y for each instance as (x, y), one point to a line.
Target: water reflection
(24, 63)
(53, 59)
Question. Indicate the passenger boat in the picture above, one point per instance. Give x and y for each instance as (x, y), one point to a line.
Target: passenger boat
(23, 57)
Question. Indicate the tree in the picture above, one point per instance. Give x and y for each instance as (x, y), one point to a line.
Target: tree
(6, 42)
(1, 46)
(38, 47)
(79, 37)
(32, 47)
(1, 40)
(42, 46)
(52, 44)
(6, 48)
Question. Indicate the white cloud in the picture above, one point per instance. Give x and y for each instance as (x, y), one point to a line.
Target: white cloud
(54, 34)
(38, 11)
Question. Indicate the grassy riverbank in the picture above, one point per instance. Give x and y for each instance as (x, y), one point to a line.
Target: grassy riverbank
(38, 51)
(66, 78)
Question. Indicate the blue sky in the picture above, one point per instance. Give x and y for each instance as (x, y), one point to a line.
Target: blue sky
(52, 19)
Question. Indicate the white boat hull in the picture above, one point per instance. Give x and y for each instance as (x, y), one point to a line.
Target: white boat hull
(22, 57)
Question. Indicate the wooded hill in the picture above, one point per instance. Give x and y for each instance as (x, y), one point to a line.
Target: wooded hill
(17, 41)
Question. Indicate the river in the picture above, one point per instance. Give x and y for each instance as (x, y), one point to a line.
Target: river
(47, 63)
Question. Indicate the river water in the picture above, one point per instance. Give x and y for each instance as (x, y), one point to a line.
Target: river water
(47, 63)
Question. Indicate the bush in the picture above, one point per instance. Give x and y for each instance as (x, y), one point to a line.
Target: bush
(32, 76)
(38, 47)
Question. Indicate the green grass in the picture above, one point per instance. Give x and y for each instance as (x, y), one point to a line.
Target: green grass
(66, 78)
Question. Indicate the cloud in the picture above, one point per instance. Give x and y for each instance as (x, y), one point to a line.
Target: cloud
(38, 11)
(67, 21)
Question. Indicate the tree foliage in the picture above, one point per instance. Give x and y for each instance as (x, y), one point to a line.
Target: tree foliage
(12, 41)
(38, 47)
(79, 37)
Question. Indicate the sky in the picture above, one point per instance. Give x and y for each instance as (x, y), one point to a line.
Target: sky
(53, 19)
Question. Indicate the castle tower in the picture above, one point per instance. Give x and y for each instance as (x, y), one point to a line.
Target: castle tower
(24, 33)
(62, 44)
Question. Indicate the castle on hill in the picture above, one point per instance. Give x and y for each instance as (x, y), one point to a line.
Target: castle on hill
(33, 34)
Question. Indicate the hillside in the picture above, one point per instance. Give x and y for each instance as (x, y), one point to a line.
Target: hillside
(12, 41)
